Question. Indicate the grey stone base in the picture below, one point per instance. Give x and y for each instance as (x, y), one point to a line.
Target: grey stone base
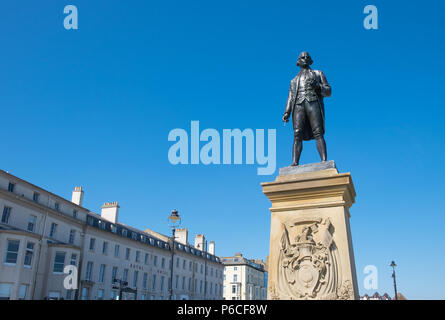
(310, 167)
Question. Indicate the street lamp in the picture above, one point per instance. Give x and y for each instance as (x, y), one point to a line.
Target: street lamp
(393, 265)
(174, 221)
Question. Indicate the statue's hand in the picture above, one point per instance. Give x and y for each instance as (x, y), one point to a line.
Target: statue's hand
(286, 117)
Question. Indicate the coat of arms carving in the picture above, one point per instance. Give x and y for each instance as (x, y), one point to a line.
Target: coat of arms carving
(308, 266)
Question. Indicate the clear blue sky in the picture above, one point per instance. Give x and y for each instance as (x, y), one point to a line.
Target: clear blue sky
(94, 107)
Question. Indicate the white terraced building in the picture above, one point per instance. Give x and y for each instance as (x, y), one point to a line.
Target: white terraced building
(42, 233)
(244, 279)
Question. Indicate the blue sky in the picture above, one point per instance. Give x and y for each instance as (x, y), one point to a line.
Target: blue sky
(94, 107)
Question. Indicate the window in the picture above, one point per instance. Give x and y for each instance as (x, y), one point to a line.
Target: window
(134, 236)
(183, 264)
(101, 273)
(200, 286)
(162, 283)
(5, 291)
(155, 260)
(53, 229)
(73, 261)
(11, 187)
(85, 293)
(153, 282)
(233, 289)
(105, 247)
(144, 280)
(89, 272)
(56, 206)
(28, 254)
(22, 291)
(138, 254)
(125, 276)
(12, 250)
(183, 283)
(235, 268)
(100, 294)
(189, 284)
(116, 251)
(72, 236)
(59, 262)
(69, 294)
(235, 278)
(146, 258)
(75, 214)
(35, 197)
(135, 279)
(31, 223)
(163, 262)
(177, 262)
(92, 243)
(176, 281)
(6, 214)
(190, 266)
(113, 274)
(127, 254)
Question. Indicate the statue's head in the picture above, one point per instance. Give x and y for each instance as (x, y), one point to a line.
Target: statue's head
(304, 60)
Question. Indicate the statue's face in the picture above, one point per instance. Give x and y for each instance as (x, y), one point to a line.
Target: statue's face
(304, 60)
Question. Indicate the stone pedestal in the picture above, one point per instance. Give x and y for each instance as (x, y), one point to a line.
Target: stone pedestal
(311, 255)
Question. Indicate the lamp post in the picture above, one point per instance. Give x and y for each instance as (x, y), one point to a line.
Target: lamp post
(393, 265)
(174, 220)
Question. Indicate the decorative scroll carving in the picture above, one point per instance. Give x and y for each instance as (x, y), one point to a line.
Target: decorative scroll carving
(346, 292)
(308, 266)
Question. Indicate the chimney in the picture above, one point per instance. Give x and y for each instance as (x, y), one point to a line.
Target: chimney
(77, 197)
(181, 235)
(199, 242)
(212, 247)
(110, 211)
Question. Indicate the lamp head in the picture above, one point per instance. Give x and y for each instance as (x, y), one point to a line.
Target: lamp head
(174, 217)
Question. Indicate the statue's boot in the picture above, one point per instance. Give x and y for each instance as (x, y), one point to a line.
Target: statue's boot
(296, 151)
(321, 147)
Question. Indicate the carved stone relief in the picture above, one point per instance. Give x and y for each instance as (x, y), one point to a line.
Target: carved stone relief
(308, 263)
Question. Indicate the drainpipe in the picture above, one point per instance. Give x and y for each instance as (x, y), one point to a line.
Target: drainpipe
(39, 253)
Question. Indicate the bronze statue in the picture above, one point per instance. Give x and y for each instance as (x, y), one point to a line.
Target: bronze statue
(305, 103)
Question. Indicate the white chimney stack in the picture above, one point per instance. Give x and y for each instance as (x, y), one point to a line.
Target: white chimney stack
(199, 242)
(212, 247)
(181, 235)
(77, 197)
(110, 211)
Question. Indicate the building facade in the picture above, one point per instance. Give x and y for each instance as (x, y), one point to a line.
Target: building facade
(52, 248)
(244, 279)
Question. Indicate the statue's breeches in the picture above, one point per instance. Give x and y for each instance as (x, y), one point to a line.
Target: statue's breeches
(308, 114)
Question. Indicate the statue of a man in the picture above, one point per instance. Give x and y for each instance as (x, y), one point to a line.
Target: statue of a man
(305, 103)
